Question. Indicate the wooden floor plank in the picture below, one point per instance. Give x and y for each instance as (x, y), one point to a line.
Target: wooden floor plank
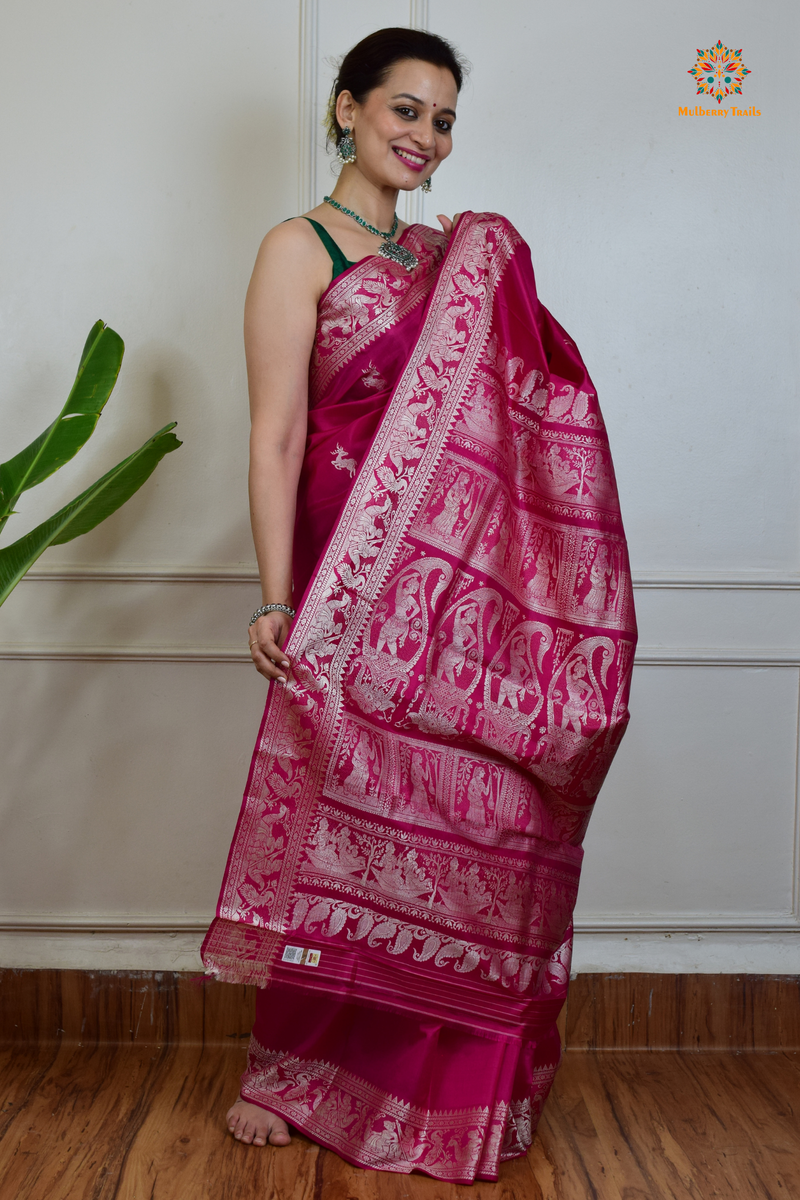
(135, 1122)
(182, 1148)
(627, 1011)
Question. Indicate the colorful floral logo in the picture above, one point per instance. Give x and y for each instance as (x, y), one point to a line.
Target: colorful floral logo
(719, 72)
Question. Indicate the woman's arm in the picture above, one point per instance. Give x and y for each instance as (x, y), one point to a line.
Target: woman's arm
(280, 320)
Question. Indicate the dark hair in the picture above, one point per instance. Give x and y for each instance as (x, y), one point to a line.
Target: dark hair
(366, 66)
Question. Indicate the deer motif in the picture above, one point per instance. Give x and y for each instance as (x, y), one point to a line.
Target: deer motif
(342, 462)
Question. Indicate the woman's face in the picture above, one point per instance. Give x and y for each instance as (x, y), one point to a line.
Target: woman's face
(403, 130)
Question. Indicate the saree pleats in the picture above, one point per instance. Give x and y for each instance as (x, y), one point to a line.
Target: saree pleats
(407, 857)
(393, 1092)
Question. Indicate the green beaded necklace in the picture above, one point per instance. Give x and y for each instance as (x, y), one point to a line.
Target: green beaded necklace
(388, 249)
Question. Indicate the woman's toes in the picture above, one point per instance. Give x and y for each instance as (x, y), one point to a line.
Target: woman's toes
(279, 1134)
(255, 1126)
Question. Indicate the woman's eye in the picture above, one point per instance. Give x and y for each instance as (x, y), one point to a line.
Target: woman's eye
(445, 126)
(405, 112)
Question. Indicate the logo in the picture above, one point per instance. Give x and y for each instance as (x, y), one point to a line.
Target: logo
(719, 72)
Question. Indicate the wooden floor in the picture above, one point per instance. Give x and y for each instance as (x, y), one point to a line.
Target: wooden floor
(142, 1122)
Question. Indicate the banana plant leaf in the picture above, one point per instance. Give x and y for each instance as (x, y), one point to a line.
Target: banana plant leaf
(88, 509)
(99, 367)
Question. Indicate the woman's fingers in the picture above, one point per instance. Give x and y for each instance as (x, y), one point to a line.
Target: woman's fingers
(447, 224)
(265, 637)
(269, 661)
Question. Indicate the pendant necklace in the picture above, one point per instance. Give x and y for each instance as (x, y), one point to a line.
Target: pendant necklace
(388, 248)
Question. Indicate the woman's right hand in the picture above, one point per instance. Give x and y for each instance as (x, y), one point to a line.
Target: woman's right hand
(266, 637)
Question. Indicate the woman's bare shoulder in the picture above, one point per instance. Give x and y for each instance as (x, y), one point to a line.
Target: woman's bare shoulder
(292, 258)
(290, 239)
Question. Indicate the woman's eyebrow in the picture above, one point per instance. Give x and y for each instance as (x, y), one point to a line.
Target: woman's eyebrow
(407, 96)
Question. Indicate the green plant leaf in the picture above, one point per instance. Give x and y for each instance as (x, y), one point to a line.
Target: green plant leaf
(94, 333)
(88, 509)
(99, 367)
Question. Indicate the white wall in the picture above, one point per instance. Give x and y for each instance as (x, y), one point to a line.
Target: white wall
(146, 149)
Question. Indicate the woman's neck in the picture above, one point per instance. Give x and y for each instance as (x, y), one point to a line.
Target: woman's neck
(374, 203)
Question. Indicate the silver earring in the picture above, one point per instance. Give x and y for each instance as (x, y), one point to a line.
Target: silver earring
(346, 150)
(426, 186)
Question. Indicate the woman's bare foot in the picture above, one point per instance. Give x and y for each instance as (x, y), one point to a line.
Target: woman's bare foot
(249, 1123)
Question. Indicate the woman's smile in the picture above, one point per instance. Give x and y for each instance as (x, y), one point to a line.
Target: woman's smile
(416, 161)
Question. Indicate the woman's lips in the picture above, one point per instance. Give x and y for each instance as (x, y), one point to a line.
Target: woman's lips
(417, 163)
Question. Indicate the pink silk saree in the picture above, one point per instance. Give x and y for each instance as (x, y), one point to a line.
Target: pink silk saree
(406, 862)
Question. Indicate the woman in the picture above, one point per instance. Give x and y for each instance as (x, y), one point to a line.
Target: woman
(405, 866)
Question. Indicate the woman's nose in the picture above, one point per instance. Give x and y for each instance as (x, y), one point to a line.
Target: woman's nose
(423, 136)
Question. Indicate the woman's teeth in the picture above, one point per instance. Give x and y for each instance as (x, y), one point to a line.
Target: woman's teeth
(412, 159)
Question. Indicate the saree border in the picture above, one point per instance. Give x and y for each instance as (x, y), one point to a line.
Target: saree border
(372, 1128)
(372, 327)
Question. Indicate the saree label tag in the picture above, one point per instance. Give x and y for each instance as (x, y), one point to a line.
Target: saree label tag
(301, 955)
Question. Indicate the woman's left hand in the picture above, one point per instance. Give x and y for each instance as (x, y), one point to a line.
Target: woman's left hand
(266, 636)
(447, 224)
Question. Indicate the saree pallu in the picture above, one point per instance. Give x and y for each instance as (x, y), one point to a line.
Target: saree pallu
(406, 862)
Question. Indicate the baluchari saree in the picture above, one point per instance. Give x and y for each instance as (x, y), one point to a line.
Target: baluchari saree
(406, 861)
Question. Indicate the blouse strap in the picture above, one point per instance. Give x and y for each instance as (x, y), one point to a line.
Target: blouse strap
(340, 263)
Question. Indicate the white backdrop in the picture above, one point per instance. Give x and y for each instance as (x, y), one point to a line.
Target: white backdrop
(147, 148)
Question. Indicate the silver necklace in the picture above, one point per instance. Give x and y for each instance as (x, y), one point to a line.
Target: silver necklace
(388, 248)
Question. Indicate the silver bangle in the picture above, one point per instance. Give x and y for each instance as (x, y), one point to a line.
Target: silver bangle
(268, 608)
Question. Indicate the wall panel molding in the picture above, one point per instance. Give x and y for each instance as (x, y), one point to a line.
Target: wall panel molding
(308, 131)
(137, 573)
(162, 654)
(176, 946)
(414, 202)
(418, 14)
(647, 656)
(664, 923)
(143, 573)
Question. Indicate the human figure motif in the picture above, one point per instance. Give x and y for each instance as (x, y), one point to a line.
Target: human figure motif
(401, 875)
(453, 657)
(503, 543)
(420, 775)
(542, 580)
(324, 631)
(601, 577)
(497, 539)
(386, 1141)
(479, 415)
(358, 782)
(457, 494)
(513, 685)
(332, 850)
(579, 689)
(394, 631)
(463, 890)
(563, 474)
(479, 789)
(407, 437)
(366, 535)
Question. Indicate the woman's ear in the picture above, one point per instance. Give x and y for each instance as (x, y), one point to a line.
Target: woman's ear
(345, 109)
